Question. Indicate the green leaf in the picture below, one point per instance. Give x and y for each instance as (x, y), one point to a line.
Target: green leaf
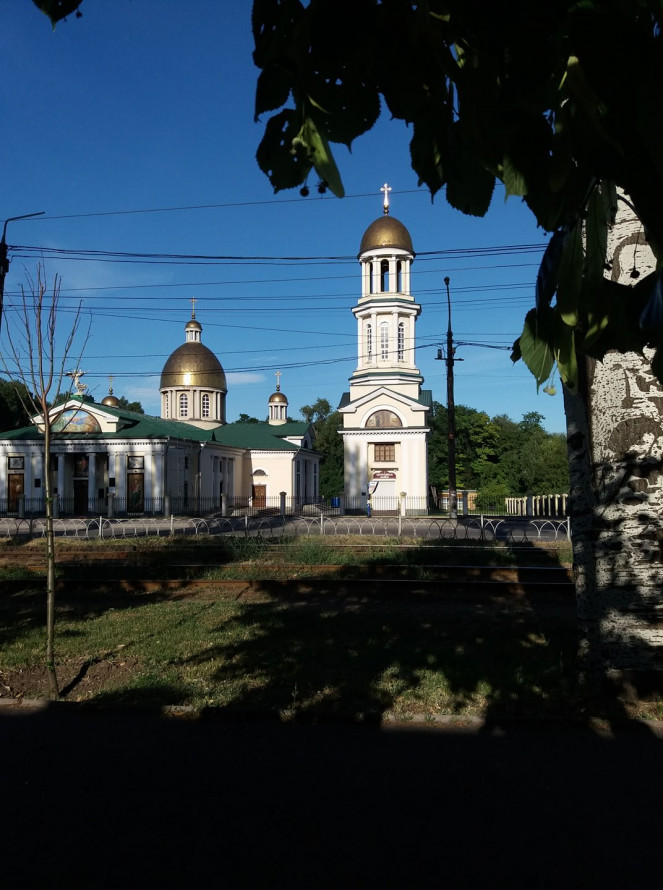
(321, 157)
(565, 355)
(513, 178)
(347, 105)
(535, 344)
(272, 90)
(569, 276)
(469, 185)
(275, 152)
(57, 10)
(599, 215)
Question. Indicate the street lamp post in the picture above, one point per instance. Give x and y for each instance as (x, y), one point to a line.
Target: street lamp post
(451, 413)
(4, 261)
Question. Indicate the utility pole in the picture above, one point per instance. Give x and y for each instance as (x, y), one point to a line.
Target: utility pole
(4, 261)
(451, 412)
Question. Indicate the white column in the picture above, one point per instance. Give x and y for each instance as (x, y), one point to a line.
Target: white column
(91, 479)
(411, 322)
(360, 342)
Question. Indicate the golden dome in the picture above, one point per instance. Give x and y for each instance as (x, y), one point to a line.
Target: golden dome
(278, 397)
(193, 364)
(111, 400)
(386, 231)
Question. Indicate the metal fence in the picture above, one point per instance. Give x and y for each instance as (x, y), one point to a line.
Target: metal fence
(282, 528)
(113, 507)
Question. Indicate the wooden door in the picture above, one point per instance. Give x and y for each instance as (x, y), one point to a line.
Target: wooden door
(15, 490)
(259, 495)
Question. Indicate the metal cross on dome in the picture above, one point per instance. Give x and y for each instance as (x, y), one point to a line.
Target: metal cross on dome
(277, 374)
(385, 205)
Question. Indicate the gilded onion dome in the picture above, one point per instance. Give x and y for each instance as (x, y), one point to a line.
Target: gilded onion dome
(385, 232)
(193, 364)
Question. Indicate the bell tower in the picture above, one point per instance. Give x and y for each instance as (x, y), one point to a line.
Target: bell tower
(385, 412)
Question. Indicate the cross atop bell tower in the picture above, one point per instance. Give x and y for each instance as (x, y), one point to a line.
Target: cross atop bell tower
(385, 203)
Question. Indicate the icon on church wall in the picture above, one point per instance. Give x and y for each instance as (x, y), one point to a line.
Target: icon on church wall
(76, 421)
(383, 420)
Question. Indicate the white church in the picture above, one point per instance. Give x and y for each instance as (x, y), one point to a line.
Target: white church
(109, 461)
(106, 460)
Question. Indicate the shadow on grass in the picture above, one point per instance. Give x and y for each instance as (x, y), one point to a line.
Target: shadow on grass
(361, 649)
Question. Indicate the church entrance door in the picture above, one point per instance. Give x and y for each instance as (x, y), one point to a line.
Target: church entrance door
(15, 491)
(259, 495)
(80, 497)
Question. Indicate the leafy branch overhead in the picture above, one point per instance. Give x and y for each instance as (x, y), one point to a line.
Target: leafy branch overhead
(556, 101)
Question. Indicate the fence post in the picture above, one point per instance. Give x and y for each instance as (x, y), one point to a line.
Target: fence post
(101, 526)
(172, 525)
(568, 528)
(21, 506)
(246, 524)
(111, 504)
(166, 505)
(529, 504)
(224, 504)
(322, 523)
(282, 496)
(341, 505)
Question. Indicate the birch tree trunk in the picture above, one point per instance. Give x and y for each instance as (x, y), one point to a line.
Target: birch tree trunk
(615, 439)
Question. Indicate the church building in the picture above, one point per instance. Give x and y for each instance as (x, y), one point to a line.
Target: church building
(107, 460)
(385, 412)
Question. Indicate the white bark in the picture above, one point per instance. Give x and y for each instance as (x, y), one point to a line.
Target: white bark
(616, 451)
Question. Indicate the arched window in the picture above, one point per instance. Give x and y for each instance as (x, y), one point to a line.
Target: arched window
(369, 343)
(384, 276)
(184, 405)
(384, 340)
(401, 341)
(205, 405)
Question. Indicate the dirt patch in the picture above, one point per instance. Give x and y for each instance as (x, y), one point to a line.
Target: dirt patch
(79, 679)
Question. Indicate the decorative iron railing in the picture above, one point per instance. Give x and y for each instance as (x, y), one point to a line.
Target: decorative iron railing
(281, 528)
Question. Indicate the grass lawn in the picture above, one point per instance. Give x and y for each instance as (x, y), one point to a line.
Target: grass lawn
(358, 654)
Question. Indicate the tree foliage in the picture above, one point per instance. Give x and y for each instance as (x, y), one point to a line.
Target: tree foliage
(14, 397)
(126, 405)
(497, 456)
(557, 101)
(326, 424)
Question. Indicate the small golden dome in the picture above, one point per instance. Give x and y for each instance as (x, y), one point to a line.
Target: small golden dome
(193, 364)
(278, 397)
(386, 231)
(111, 400)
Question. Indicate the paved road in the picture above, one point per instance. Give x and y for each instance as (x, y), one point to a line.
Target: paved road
(131, 800)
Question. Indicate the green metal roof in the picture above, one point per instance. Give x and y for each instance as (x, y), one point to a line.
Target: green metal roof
(261, 436)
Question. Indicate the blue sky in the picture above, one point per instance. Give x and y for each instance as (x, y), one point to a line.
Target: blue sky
(132, 128)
